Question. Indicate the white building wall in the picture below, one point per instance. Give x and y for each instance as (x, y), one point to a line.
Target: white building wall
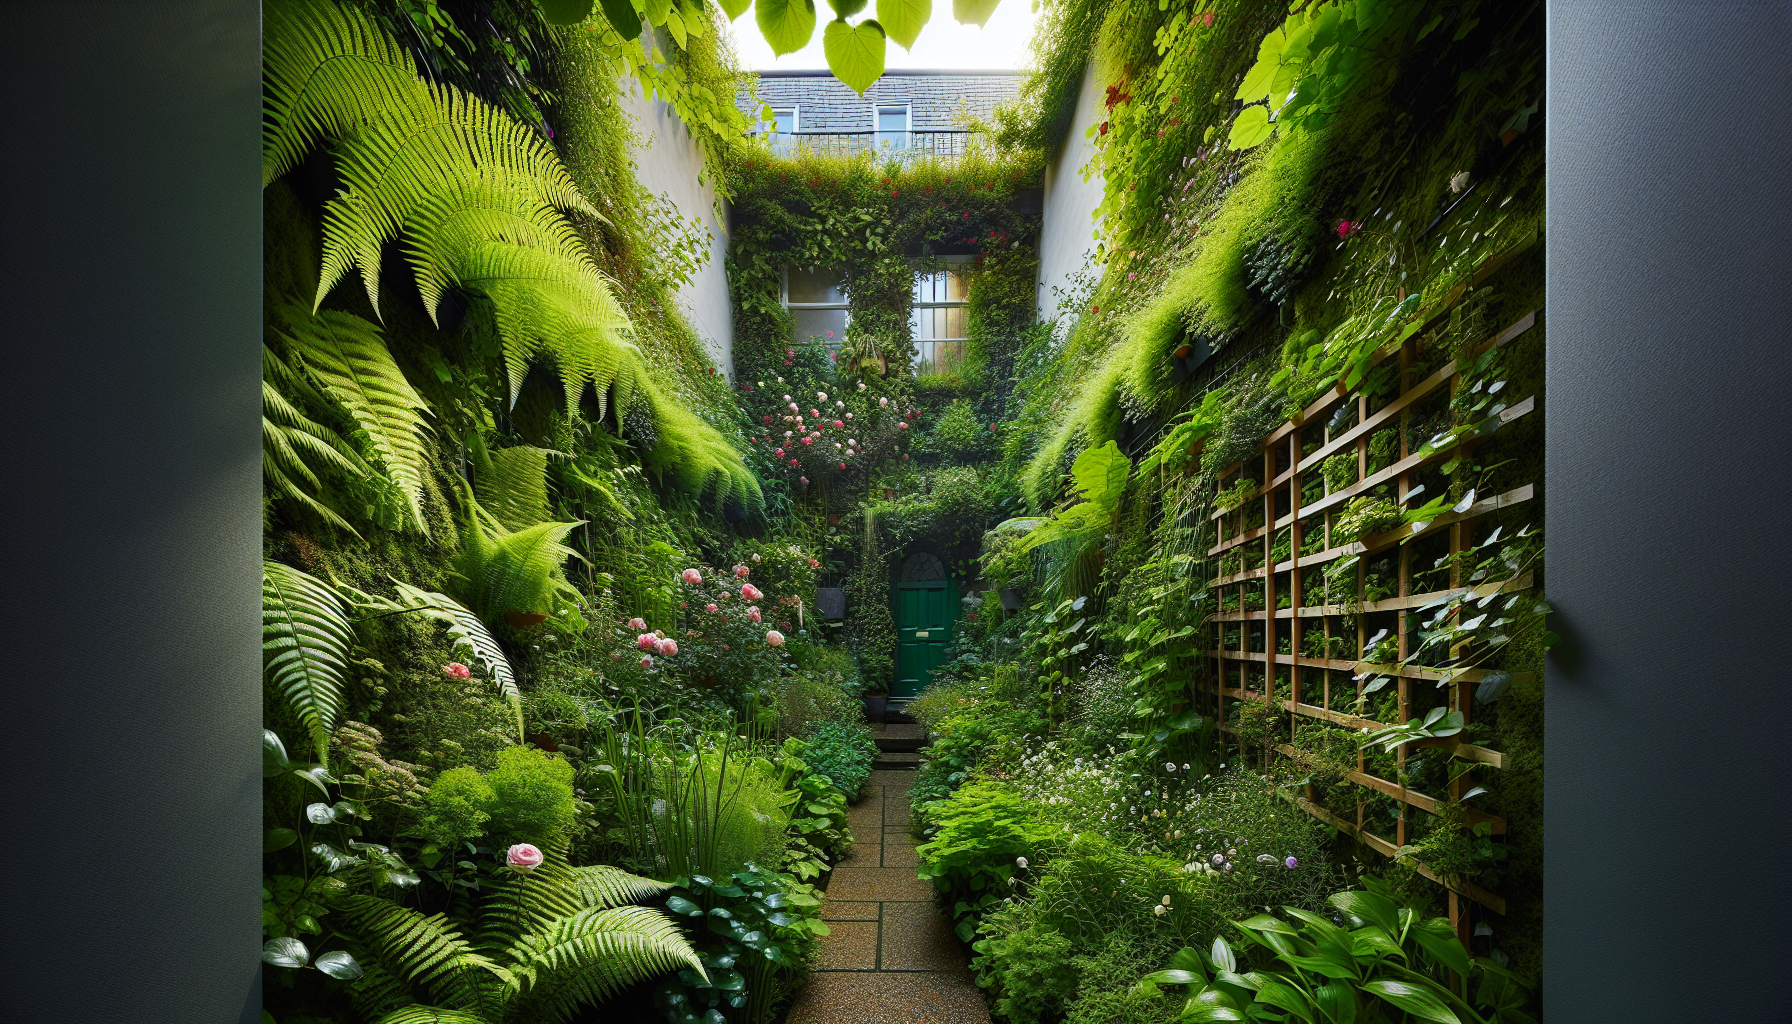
(1066, 242)
(672, 165)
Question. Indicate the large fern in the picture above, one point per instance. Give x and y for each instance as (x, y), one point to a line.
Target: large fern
(346, 355)
(478, 199)
(548, 943)
(586, 958)
(503, 571)
(289, 438)
(511, 483)
(305, 639)
(467, 629)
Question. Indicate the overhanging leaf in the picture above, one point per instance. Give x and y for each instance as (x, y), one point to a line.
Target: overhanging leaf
(1250, 128)
(785, 24)
(904, 19)
(973, 12)
(627, 22)
(855, 53)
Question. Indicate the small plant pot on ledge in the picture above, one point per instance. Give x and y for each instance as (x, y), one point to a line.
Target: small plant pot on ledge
(875, 705)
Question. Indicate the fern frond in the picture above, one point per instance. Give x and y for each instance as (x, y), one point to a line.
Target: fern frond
(588, 957)
(326, 71)
(512, 483)
(347, 356)
(467, 630)
(503, 571)
(305, 640)
(522, 905)
(433, 1015)
(427, 955)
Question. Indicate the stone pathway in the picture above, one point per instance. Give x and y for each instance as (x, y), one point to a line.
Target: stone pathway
(892, 957)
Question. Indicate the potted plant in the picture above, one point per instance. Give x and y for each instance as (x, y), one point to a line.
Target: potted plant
(877, 698)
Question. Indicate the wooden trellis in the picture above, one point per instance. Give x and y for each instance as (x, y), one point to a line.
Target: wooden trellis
(1287, 470)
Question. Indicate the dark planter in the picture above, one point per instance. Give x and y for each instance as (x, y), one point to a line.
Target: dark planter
(874, 707)
(1010, 599)
(831, 602)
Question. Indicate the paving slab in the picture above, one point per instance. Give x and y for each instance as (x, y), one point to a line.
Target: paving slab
(886, 884)
(850, 946)
(885, 777)
(844, 910)
(900, 855)
(847, 997)
(917, 937)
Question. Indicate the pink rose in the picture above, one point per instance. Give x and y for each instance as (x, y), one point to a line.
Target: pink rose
(840, 424)
(710, 608)
(902, 426)
(693, 577)
(883, 403)
(749, 592)
(523, 858)
(646, 661)
(638, 624)
(775, 638)
(741, 572)
(808, 440)
(455, 670)
(804, 480)
(668, 647)
(647, 641)
(779, 453)
(843, 465)
(753, 613)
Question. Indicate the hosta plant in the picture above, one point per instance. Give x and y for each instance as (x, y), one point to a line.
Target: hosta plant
(751, 928)
(1376, 962)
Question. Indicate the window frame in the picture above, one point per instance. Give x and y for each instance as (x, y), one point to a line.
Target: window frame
(956, 265)
(908, 125)
(833, 344)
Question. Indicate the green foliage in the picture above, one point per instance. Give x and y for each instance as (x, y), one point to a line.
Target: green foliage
(533, 797)
(503, 571)
(1031, 973)
(757, 928)
(305, 644)
(289, 438)
(844, 752)
(978, 836)
(459, 806)
(818, 833)
(957, 434)
(1365, 516)
(1385, 962)
(576, 947)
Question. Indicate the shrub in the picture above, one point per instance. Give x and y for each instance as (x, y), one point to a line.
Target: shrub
(1105, 707)
(982, 831)
(458, 808)
(844, 752)
(958, 435)
(1030, 972)
(811, 699)
(532, 797)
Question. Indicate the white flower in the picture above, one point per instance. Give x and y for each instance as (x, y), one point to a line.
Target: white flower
(1169, 766)
(1022, 861)
(1458, 181)
(1160, 910)
(1166, 901)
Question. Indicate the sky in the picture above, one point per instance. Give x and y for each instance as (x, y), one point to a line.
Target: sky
(944, 43)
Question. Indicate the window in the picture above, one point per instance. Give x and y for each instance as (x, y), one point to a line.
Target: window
(892, 127)
(937, 324)
(816, 299)
(781, 129)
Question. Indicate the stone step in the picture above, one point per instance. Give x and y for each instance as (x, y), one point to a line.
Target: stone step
(899, 738)
(898, 762)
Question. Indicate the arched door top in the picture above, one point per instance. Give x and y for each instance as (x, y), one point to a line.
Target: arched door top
(922, 567)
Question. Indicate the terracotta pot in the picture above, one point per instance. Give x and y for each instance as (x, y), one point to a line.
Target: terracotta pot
(522, 620)
(545, 742)
(1183, 351)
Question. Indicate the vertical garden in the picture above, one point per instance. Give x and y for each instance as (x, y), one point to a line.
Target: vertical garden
(576, 638)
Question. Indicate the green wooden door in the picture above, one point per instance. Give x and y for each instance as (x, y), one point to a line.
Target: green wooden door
(925, 610)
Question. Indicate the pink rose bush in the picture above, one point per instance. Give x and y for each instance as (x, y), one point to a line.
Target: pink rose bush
(750, 593)
(523, 858)
(693, 577)
(455, 670)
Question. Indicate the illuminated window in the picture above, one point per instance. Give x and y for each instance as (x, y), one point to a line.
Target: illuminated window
(892, 127)
(937, 324)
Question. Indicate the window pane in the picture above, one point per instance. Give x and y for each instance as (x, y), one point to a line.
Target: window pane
(816, 286)
(817, 323)
(892, 119)
(784, 120)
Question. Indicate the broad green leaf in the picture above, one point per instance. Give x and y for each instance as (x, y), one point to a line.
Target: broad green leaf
(1175, 977)
(563, 12)
(1189, 959)
(1439, 939)
(904, 19)
(973, 12)
(1271, 990)
(1100, 474)
(285, 952)
(1372, 908)
(1420, 1002)
(844, 9)
(1221, 953)
(339, 964)
(855, 53)
(278, 839)
(785, 24)
(1251, 127)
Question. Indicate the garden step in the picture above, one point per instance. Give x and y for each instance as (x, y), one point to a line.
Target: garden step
(898, 761)
(899, 738)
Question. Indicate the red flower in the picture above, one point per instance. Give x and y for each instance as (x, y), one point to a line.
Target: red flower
(767, 419)
(1104, 128)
